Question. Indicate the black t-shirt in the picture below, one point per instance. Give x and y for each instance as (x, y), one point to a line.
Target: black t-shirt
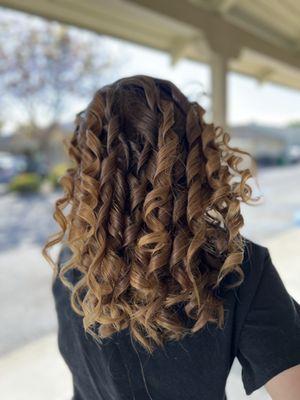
(262, 329)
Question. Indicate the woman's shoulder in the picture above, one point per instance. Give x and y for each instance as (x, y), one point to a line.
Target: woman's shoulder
(254, 250)
(254, 261)
(253, 266)
(64, 255)
(267, 321)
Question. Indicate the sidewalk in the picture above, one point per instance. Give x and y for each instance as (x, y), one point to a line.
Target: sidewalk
(35, 372)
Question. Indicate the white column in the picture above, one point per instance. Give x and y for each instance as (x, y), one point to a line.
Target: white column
(218, 64)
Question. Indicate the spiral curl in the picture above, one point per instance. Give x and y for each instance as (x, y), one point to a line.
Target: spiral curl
(154, 220)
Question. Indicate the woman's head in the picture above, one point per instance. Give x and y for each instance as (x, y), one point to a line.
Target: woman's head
(154, 216)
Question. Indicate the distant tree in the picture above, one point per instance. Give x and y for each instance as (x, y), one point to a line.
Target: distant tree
(45, 66)
(294, 124)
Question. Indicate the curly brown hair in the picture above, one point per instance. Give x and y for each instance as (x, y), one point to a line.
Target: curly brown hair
(154, 219)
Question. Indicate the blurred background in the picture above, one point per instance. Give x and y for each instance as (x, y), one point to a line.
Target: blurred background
(239, 59)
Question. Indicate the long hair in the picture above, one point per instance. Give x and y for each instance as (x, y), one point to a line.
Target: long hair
(153, 222)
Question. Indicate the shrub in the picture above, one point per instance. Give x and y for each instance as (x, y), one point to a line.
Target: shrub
(25, 183)
(56, 172)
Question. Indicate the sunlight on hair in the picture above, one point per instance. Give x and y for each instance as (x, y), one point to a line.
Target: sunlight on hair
(154, 218)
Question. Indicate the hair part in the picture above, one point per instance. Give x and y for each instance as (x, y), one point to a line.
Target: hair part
(154, 215)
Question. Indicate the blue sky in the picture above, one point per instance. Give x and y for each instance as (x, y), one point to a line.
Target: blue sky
(248, 100)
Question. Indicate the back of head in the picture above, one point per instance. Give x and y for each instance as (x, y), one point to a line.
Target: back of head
(154, 216)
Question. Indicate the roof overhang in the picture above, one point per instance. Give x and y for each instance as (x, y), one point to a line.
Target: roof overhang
(259, 39)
